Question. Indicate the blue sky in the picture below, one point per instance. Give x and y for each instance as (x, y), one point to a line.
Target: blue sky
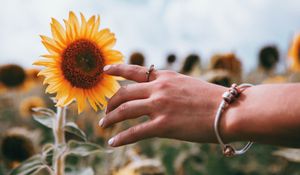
(157, 27)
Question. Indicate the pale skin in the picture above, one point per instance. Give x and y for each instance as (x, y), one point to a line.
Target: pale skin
(184, 108)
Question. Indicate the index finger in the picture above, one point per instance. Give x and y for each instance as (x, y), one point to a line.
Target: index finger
(130, 72)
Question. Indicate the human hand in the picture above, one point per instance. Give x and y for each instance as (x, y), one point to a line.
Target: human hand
(178, 106)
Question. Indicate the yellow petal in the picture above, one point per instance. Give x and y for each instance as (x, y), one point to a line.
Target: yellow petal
(69, 32)
(91, 99)
(58, 32)
(108, 44)
(83, 28)
(113, 57)
(80, 100)
(101, 101)
(51, 45)
(46, 63)
(53, 57)
(73, 21)
(95, 27)
(104, 34)
(90, 25)
(52, 88)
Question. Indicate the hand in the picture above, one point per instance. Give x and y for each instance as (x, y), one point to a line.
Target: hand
(178, 106)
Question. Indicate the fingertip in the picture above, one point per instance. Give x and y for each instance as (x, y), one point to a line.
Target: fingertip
(112, 141)
(101, 122)
(106, 68)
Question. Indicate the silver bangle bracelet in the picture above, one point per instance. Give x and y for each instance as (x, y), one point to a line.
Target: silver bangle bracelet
(228, 97)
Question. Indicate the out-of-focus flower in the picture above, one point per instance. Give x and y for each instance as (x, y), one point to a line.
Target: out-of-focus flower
(268, 57)
(228, 62)
(294, 53)
(13, 77)
(137, 58)
(74, 65)
(191, 65)
(27, 104)
(140, 165)
(18, 145)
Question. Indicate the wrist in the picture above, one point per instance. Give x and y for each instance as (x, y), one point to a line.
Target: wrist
(228, 127)
(233, 121)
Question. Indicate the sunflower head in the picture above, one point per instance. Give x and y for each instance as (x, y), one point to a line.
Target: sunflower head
(137, 58)
(227, 62)
(12, 75)
(27, 104)
(74, 66)
(294, 54)
(268, 57)
(171, 58)
(190, 62)
(17, 146)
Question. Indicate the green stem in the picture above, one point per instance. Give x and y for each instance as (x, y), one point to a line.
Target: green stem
(60, 142)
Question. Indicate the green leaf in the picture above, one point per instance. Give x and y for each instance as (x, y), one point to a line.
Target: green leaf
(29, 167)
(72, 128)
(44, 116)
(84, 148)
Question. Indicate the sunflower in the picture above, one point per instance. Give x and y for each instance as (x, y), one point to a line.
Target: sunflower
(294, 54)
(12, 75)
(17, 145)
(74, 65)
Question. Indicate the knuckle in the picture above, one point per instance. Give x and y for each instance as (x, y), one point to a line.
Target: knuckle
(158, 101)
(117, 66)
(162, 85)
(168, 73)
(123, 89)
(132, 131)
(123, 108)
(135, 69)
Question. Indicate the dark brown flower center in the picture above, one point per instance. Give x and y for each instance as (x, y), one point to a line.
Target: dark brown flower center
(12, 75)
(82, 64)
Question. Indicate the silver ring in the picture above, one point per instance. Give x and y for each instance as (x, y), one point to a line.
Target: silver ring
(151, 69)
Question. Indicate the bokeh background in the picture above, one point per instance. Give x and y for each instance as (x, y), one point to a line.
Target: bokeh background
(217, 41)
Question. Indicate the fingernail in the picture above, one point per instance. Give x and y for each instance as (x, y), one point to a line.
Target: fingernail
(101, 122)
(111, 141)
(106, 67)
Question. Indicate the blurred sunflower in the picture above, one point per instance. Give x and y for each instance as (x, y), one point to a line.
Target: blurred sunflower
(13, 76)
(294, 53)
(228, 62)
(18, 145)
(74, 65)
(27, 104)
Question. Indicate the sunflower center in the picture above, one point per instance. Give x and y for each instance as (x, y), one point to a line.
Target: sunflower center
(82, 64)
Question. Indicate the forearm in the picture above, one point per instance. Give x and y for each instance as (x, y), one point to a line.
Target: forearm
(266, 114)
